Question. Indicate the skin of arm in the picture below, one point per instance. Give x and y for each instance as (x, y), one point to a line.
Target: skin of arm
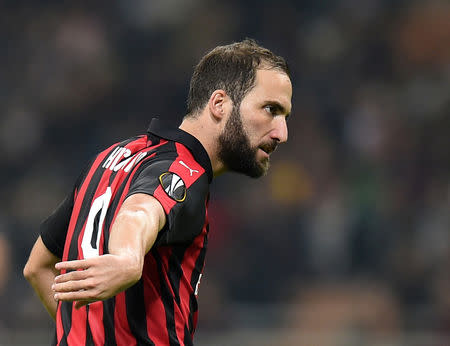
(133, 233)
(40, 272)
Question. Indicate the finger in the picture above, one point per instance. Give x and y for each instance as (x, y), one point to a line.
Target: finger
(72, 265)
(70, 286)
(84, 295)
(71, 276)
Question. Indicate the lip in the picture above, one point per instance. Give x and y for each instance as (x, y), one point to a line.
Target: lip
(265, 153)
(269, 151)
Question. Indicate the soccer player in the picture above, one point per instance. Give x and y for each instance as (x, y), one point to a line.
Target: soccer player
(120, 260)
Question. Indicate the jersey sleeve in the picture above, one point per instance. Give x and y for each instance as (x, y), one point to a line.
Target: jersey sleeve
(181, 198)
(53, 230)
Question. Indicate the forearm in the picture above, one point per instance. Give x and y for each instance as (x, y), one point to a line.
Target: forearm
(42, 284)
(40, 272)
(131, 247)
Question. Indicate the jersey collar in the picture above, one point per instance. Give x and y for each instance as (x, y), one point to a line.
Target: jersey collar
(172, 133)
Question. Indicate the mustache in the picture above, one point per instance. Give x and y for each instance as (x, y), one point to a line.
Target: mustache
(269, 147)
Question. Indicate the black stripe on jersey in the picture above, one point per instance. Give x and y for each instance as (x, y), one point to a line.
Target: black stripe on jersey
(66, 318)
(199, 263)
(136, 314)
(175, 272)
(187, 337)
(168, 303)
(63, 341)
(109, 306)
(89, 338)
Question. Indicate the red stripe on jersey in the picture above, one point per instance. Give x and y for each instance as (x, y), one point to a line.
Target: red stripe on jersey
(164, 199)
(152, 297)
(95, 317)
(59, 326)
(77, 333)
(121, 328)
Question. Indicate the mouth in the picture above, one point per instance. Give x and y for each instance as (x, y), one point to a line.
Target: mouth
(267, 153)
(268, 149)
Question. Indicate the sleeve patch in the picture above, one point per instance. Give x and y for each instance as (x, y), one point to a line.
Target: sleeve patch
(173, 185)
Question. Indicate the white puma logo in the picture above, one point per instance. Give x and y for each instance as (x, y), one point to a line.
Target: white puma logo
(190, 170)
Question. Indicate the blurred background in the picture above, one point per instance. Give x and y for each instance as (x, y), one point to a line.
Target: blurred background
(345, 242)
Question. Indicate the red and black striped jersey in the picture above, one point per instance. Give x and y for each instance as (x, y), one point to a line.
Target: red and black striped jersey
(161, 308)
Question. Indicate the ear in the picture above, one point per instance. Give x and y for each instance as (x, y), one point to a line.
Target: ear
(219, 104)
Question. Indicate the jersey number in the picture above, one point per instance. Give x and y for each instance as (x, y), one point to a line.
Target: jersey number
(94, 224)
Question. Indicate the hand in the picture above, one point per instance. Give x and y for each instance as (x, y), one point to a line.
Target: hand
(95, 279)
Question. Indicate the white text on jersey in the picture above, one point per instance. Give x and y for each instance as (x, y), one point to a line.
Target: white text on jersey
(112, 162)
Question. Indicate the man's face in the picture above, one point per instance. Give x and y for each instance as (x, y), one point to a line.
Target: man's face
(255, 128)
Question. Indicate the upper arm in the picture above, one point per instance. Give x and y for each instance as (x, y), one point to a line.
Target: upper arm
(137, 224)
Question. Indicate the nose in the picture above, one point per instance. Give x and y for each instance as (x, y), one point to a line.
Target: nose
(280, 130)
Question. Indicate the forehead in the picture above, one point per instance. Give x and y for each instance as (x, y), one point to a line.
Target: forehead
(272, 85)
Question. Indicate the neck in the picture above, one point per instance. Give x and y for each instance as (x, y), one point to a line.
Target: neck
(207, 135)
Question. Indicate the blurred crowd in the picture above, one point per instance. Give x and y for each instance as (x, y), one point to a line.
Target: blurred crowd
(350, 230)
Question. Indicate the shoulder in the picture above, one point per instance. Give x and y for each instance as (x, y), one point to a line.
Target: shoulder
(186, 166)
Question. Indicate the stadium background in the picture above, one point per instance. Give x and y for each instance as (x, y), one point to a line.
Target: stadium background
(345, 242)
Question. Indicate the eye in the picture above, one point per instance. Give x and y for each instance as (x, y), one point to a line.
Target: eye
(270, 109)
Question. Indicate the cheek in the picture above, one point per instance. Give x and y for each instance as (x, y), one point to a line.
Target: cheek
(257, 134)
(254, 124)
(250, 132)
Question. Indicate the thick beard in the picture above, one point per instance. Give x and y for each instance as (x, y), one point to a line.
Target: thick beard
(235, 150)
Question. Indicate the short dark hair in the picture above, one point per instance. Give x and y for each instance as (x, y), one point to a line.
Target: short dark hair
(231, 68)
